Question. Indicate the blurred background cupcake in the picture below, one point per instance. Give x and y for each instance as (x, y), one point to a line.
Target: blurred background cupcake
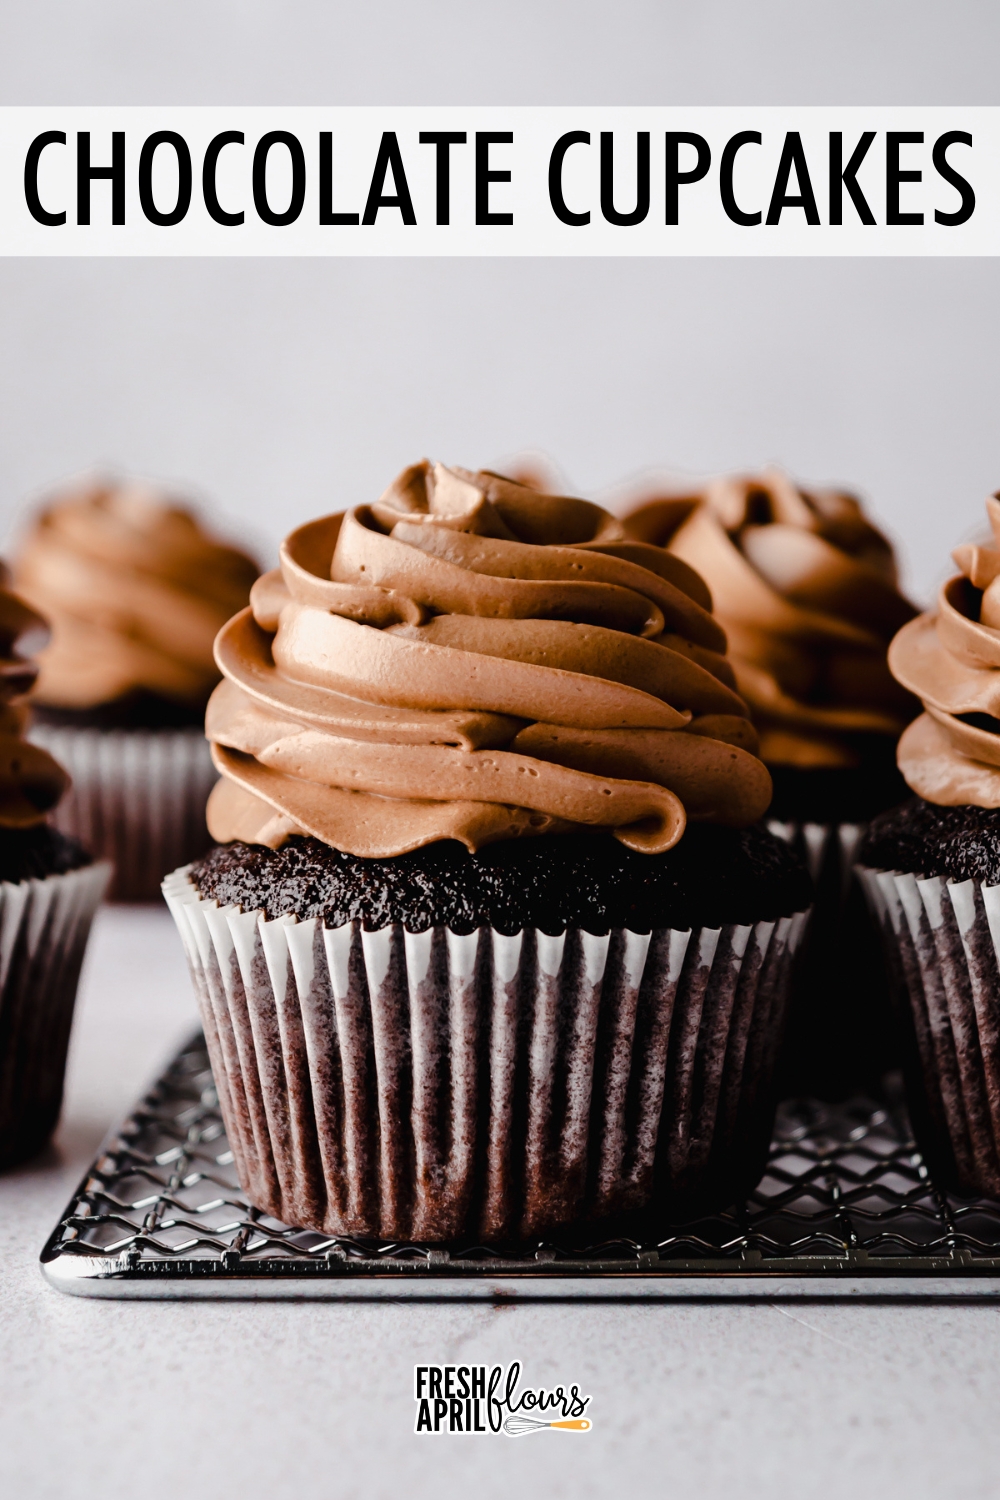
(494, 942)
(135, 590)
(49, 890)
(807, 591)
(932, 871)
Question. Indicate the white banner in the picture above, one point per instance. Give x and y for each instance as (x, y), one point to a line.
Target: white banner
(499, 181)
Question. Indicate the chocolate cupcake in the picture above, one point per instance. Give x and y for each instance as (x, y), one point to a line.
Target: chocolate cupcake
(49, 891)
(465, 968)
(932, 872)
(136, 591)
(806, 589)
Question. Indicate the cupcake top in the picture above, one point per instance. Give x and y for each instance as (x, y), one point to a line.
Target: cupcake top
(135, 590)
(951, 660)
(806, 589)
(31, 782)
(470, 659)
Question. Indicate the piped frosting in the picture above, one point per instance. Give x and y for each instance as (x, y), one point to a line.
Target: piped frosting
(135, 591)
(807, 592)
(951, 660)
(31, 782)
(469, 659)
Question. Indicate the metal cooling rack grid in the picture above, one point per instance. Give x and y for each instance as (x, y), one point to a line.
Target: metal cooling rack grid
(846, 1206)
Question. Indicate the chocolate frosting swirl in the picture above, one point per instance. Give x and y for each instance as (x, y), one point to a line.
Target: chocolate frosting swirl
(135, 591)
(469, 659)
(31, 782)
(951, 660)
(806, 589)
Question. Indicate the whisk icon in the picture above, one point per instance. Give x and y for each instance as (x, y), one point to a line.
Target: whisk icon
(519, 1426)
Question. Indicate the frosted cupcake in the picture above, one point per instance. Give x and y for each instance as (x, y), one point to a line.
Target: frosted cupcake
(492, 942)
(49, 891)
(932, 870)
(806, 589)
(135, 590)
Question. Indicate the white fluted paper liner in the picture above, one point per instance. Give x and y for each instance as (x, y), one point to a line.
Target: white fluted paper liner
(823, 847)
(430, 1086)
(943, 942)
(44, 926)
(137, 799)
(841, 1033)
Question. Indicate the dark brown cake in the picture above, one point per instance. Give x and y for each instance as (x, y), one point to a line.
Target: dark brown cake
(713, 876)
(33, 853)
(138, 710)
(961, 843)
(829, 796)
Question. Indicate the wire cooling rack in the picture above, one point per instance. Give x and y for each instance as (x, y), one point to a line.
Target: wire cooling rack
(846, 1207)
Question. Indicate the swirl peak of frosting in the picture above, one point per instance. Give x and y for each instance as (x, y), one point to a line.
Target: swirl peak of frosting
(135, 591)
(951, 660)
(806, 589)
(31, 782)
(469, 659)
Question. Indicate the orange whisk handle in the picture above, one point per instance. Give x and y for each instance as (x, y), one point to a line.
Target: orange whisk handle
(574, 1424)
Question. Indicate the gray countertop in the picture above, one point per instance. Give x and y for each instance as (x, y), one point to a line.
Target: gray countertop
(170, 1399)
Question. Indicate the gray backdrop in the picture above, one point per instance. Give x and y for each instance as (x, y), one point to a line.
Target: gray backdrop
(275, 390)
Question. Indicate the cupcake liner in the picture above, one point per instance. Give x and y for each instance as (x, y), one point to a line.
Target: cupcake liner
(942, 939)
(137, 799)
(827, 849)
(44, 925)
(842, 1036)
(435, 1085)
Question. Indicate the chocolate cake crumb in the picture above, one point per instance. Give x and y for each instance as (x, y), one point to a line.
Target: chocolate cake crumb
(138, 710)
(712, 877)
(33, 853)
(962, 843)
(838, 795)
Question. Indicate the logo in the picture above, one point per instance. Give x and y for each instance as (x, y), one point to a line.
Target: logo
(476, 1398)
